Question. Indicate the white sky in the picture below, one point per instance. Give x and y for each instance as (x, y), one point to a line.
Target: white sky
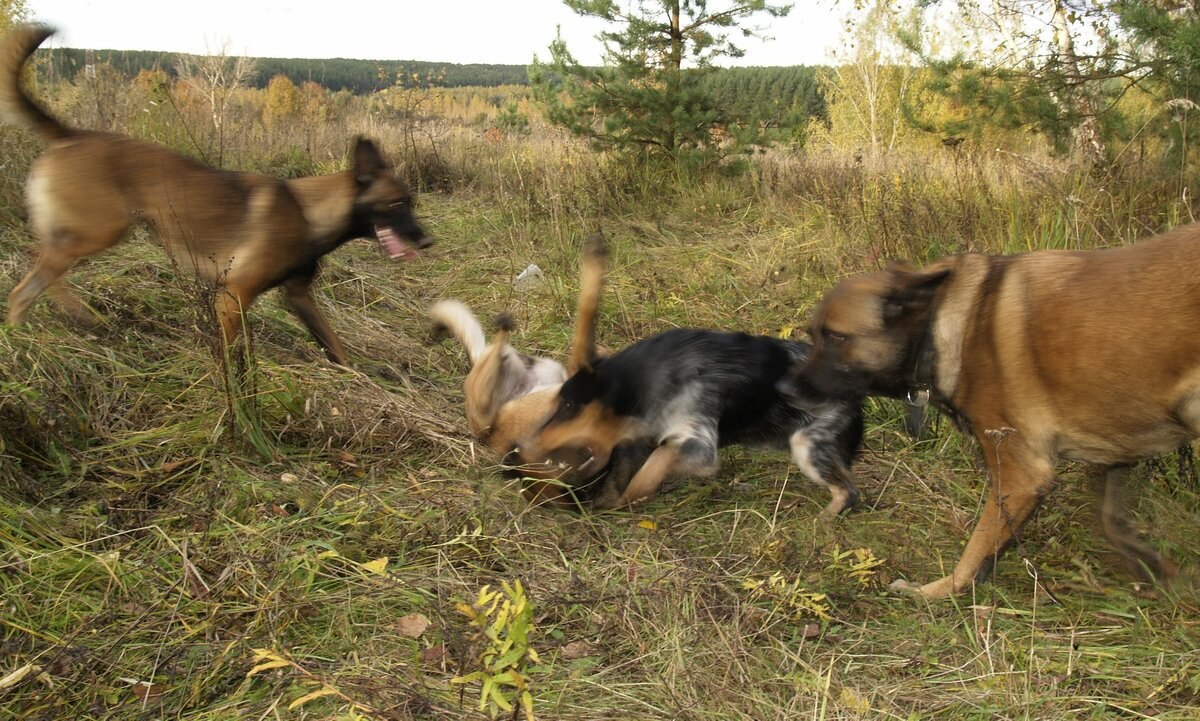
(451, 31)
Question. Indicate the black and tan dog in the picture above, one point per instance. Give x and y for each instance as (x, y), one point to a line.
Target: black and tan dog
(243, 233)
(671, 400)
(1086, 355)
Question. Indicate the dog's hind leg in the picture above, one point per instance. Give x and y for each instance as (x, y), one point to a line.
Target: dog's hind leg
(1143, 561)
(63, 243)
(50, 266)
(300, 301)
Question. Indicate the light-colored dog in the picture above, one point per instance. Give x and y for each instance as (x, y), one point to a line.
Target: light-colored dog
(508, 394)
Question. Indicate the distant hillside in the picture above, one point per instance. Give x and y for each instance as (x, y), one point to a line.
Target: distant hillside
(358, 76)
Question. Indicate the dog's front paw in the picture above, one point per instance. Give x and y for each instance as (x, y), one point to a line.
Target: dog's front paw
(607, 499)
(940, 588)
(908, 588)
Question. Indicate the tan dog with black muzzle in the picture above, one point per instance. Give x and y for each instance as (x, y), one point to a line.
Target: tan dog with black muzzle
(1091, 356)
(242, 233)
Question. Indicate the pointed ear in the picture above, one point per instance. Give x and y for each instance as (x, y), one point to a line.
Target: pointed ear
(367, 160)
(583, 343)
(912, 291)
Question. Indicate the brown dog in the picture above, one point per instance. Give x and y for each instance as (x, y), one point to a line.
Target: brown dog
(243, 233)
(1086, 355)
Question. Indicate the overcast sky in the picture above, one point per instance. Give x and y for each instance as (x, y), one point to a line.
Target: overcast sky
(455, 31)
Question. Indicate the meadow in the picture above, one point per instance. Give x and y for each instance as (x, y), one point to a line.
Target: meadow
(315, 544)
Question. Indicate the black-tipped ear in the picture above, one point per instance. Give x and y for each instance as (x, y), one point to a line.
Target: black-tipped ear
(912, 291)
(595, 245)
(504, 322)
(367, 160)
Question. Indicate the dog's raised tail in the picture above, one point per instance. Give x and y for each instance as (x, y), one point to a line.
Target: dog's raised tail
(15, 106)
(591, 282)
(458, 319)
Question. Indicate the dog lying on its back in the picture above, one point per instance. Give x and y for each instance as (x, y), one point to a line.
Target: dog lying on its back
(243, 233)
(509, 395)
(683, 394)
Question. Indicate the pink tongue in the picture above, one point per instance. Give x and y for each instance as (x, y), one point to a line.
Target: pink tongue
(393, 245)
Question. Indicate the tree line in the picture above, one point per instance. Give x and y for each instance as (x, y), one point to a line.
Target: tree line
(360, 77)
(778, 96)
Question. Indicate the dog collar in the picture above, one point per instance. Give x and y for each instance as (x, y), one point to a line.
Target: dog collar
(918, 397)
(924, 373)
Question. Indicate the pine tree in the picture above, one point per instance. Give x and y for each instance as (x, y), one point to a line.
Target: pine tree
(649, 97)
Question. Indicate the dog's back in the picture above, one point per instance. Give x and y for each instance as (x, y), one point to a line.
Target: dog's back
(687, 376)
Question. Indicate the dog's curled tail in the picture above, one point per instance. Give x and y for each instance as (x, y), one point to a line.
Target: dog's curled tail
(457, 318)
(591, 283)
(15, 106)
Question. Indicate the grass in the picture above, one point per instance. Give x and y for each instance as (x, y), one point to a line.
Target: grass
(153, 561)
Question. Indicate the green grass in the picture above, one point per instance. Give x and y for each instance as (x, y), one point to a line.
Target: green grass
(144, 540)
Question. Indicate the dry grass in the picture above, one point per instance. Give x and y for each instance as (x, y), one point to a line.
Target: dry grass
(147, 549)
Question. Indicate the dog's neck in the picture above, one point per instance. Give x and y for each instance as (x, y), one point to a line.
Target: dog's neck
(326, 201)
(922, 359)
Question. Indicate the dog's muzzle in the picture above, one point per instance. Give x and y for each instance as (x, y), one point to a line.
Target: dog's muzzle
(401, 246)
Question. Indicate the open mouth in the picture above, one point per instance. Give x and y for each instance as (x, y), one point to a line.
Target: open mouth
(393, 245)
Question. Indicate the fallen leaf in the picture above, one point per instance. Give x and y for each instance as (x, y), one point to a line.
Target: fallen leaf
(378, 566)
(333, 411)
(853, 701)
(811, 630)
(288, 477)
(433, 654)
(412, 625)
(18, 676)
(577, 649)
(348, 459)
(648, 524)
(323, 691)
(146, 691)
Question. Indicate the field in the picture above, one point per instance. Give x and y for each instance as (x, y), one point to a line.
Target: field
(300, 548)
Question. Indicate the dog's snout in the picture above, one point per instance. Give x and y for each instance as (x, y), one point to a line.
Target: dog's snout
(572, 457)
(514, 465)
